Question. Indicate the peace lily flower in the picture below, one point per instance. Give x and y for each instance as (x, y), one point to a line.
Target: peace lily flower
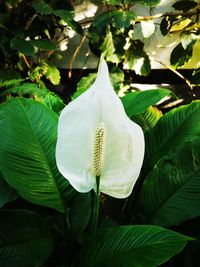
(97, 139)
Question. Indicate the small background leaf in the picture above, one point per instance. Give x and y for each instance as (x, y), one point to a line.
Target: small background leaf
(138, 102)
(25, 47)
(44, 44)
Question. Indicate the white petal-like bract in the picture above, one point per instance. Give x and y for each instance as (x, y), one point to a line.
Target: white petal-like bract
(95, 137)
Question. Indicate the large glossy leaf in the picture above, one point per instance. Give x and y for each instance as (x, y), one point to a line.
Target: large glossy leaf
(134, 246)
(171, 192)
(28, 136)
(25, 239)
(172, 130)
(139, 101)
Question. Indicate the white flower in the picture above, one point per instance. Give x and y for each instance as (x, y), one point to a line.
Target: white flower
(96, 138)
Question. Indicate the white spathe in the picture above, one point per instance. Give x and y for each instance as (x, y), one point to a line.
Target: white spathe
(123, 150)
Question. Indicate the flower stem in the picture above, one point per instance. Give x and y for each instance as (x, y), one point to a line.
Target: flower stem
(95, 216)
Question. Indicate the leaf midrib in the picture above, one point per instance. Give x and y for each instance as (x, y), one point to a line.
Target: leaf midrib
(42, 154)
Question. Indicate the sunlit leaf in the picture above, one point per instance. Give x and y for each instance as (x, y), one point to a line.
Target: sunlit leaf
(108, 49)
(53, 74)
(148, 119)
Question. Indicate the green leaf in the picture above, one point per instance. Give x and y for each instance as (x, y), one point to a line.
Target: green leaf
(114, 2)
(25, 239)
(187, 39)
(84, 84)
(196, 76)
(25, 47)
(136, 58)
(9, 75)
(53, 74)
(108, 48)
(42, 7)
(8, 83)
(122, 19)
(44, 44)
(7, 193)
(166, 24)
(176, 127)
(148, 119)
(185, 5)
(171, 192)
(97, 30)
(131, 246)
(28, 133)
(80, 213)
(42, 95)
(180, 56)
(116, 78)
(139, 101)
(67, 16)
(143, 2)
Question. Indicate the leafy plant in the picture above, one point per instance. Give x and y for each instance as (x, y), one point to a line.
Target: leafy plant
(44, 221)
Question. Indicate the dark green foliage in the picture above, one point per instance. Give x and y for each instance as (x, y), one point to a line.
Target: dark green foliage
(180, 56)
(134, 246)
(185, 5)
(171, 191)
(7, 193)
(178, 126)
(25, 239)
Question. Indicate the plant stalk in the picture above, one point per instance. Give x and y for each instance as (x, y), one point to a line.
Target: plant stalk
(95, 216)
